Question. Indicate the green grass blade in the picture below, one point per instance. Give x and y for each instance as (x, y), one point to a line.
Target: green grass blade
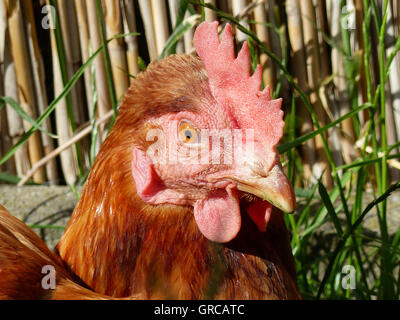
(142, 64)
(21, 112)
(180, 16)
(94, 133)
(9, 178)
(348, 233)
(320, 215)
(298, 141)
(329, 207)
(46, 226)
(203, 12)
(178, 32)
(360, 163)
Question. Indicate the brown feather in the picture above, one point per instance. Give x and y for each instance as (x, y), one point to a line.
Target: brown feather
(120, 246)
(23, 255)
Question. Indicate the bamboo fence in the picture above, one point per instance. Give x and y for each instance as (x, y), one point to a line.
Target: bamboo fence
(44, 43)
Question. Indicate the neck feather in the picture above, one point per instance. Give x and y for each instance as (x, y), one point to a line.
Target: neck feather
(117, 244)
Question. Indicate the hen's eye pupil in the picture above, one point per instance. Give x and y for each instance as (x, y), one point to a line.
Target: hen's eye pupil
(188, 135)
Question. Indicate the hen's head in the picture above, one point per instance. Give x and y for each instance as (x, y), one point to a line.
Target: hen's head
(204, 135)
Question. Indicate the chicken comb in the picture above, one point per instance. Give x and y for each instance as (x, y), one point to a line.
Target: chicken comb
(235, 89)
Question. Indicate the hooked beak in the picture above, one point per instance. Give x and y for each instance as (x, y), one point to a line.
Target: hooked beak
(274, 188)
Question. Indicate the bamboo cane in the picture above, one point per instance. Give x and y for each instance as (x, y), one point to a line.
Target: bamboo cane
(237, 8)
(393, 89)
(73, 65)
(274, 37)
(6, 141)
(26, 94)
(210, 15)
(82, 21)
(343, 104)
(173, 10)
(3, 124)
(3, 32)
(323, 26)
(360, 40)
(396, 62)
(313, 71)
(64, 132)
(103, 95)
(40, 86)
(326, 98)
(275, 41)
(311, 44)
(116, 48)
(89, 73)
(132, 49)
(145, 10)
(260, 16)
(3, 128)
(355, 37)
(247, 11)
(15, 125)
(225, 5)
(298, 60)
(67, 144)
(10, 165)
(67, 18)
(14, 121)
(160, 24)
(396, 16)
(188, 38)
(394, 72)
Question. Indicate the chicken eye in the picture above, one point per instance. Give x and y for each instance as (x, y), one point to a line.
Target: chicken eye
(188, 133)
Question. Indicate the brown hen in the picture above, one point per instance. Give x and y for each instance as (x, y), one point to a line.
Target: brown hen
(154, 220)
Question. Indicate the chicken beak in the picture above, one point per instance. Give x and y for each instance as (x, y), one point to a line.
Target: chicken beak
(274, 188)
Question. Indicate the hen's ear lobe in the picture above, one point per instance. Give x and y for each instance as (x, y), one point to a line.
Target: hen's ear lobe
(148, 183)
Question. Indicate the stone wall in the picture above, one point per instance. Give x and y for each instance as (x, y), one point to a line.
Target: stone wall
(49, 208)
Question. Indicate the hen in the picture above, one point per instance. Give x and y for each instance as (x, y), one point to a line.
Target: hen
(184, 198)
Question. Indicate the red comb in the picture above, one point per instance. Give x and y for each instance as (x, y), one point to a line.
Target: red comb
(234, 88)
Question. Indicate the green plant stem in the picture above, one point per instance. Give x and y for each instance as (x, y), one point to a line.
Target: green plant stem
(349, 71)
(387, 287)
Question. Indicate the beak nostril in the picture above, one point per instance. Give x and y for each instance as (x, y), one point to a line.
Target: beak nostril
(259, 169)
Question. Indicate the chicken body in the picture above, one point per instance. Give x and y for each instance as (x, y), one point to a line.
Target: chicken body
(119, 245)
(164, 229)
(26, 264)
